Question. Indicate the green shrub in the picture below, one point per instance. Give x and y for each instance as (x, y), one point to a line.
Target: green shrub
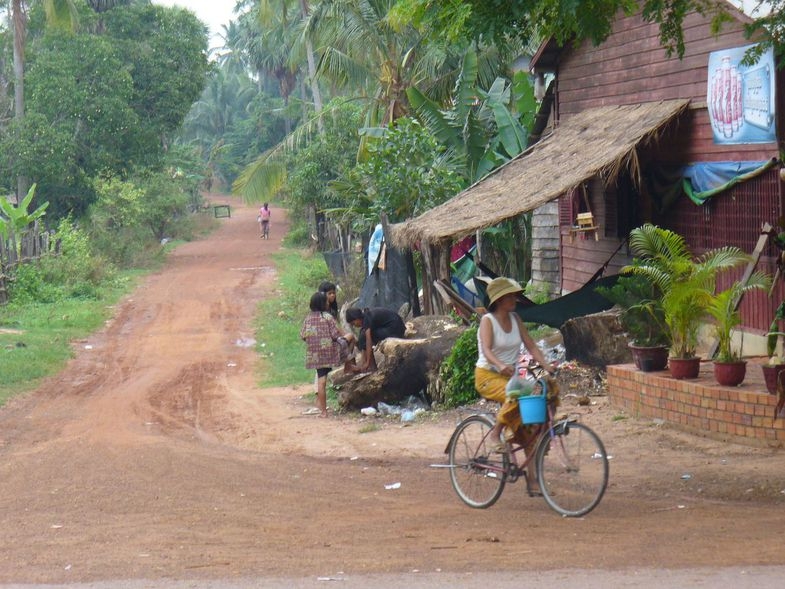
(28, 286)
(298, 236)
(457, 371)
(76, 273)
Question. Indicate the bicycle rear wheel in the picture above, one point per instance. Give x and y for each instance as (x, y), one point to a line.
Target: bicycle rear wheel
(477, 474)
(572, 469)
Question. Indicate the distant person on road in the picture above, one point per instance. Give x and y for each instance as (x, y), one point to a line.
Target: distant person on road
(326, 346)
(375, 324)
(264, 221)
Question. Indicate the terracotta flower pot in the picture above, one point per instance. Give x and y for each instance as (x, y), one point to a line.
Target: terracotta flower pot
(773, 373)
(730, 374)
(684, 367)
(649, 359)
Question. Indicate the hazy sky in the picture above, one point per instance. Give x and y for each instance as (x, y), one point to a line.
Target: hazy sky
(213, 13)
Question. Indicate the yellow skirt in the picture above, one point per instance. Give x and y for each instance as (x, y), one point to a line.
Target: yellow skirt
(492, 386)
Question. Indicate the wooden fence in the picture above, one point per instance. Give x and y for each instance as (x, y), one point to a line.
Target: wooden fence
(27, 247)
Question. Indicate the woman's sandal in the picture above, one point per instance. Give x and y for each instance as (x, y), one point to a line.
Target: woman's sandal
(530, 491)
(498, 448)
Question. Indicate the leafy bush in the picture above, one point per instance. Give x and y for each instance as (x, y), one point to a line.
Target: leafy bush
(298, 235)
(457, 371)
(76, 273)
(130, 217)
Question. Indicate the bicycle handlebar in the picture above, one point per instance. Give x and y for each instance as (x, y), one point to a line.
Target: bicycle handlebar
(538, 370)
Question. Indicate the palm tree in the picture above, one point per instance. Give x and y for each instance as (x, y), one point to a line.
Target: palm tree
(104, 5)
(361, 51)
(59, 13)
(364, 55)
(687, 284)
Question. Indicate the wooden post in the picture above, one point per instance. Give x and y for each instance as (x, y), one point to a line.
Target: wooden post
(430, 274)
(763, 238)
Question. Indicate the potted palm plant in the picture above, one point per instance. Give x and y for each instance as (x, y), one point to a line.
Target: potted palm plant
(729, 368)
(775, 365)
(642, 319)
(687, 285)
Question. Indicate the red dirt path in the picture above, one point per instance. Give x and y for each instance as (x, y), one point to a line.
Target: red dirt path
(155, 455)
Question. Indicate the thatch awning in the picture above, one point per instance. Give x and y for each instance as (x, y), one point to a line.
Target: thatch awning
(597, 141)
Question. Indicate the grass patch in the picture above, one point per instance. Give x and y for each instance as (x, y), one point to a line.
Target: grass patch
(280, 317)
(35, 339)
(370, 428)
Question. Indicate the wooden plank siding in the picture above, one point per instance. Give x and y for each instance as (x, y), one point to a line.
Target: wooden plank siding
(582, 255)
(734, 217)
(631, 67)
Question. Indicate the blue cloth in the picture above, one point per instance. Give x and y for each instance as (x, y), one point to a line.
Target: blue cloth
(375, 247)
(704, 180)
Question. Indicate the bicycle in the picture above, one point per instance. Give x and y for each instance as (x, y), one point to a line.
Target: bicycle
(570, 460)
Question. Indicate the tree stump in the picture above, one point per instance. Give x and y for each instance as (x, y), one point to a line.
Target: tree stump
(406, 367)
(596, 340)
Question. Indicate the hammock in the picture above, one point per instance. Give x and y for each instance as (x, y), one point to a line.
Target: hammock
(555, 313)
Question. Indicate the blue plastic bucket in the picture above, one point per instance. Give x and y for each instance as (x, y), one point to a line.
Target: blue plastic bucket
(533, 409)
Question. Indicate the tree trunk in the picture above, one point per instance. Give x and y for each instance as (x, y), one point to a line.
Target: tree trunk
(317, 95)
(20, 26)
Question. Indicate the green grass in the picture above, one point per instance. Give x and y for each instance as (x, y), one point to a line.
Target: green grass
(39, 338)
(36, 340)
(280, 317)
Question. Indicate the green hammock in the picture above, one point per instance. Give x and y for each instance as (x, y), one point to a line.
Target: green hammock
(555, 313)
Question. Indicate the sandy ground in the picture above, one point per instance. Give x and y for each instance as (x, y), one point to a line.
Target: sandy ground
(156, 456)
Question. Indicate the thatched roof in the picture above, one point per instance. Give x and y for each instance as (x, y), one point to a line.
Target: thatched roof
(597, 141)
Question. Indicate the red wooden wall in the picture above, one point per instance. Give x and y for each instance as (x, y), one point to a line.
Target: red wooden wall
(629, 68)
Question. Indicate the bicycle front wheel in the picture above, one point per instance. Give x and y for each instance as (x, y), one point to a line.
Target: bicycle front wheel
(572, 469)
(477, 474)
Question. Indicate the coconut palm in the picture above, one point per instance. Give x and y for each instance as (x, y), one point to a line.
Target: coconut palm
(363, 55)
(362, 52)
(60, 14)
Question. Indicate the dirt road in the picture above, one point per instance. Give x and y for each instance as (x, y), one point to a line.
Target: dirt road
(155, 455)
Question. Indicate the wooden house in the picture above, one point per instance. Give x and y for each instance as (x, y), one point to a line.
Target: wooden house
(629, 129)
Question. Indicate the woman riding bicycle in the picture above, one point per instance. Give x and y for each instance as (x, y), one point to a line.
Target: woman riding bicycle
(499, 340)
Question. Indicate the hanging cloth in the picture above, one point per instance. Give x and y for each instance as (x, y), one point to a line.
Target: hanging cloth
(704, 180)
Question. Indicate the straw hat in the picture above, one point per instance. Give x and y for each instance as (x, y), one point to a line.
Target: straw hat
(499, 287)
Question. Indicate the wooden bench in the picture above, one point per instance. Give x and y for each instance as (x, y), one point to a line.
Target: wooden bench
(222, 211)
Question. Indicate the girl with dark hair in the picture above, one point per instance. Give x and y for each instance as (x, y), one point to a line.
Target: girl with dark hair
(329, 289)
(326, 346)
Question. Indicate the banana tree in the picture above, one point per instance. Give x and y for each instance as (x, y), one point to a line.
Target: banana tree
(482, 131)
(478, 126)
(14, 220)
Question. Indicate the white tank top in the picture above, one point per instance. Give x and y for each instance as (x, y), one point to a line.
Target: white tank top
(506, 345)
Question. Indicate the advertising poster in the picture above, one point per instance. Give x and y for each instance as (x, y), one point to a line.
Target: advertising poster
(741, 98)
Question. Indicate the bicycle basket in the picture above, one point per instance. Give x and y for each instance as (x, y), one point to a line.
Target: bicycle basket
(533, 409)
